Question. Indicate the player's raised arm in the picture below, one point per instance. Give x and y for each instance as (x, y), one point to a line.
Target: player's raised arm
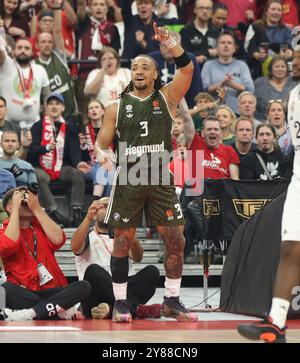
(176, 90)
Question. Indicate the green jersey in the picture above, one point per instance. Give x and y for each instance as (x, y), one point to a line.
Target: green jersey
(60, 81)
(145, 126)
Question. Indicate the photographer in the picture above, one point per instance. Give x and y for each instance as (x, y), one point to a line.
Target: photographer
(22, 171)
(35, 283)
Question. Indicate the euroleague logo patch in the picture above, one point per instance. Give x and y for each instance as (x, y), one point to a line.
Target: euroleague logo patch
(116, 216)
(170, 215)
(129, 111)
(156, 108)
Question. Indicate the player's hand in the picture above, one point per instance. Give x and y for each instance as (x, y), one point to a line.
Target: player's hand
(161, 33)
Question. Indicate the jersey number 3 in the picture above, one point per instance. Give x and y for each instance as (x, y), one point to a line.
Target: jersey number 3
(144, 127)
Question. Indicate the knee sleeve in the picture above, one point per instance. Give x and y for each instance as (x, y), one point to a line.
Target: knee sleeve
(119, 269)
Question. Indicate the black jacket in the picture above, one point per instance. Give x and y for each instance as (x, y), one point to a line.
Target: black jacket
(276, 162)
(194, 41)
(132, 24)
(72, 153)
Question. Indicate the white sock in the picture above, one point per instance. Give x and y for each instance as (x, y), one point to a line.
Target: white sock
(172, 287)
(279, 310)
(120, 290)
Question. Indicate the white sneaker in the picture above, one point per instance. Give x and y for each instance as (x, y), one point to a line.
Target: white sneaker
(102, 311)
(17, 315)
(73, 313)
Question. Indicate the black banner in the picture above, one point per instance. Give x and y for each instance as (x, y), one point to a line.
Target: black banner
(225, 204)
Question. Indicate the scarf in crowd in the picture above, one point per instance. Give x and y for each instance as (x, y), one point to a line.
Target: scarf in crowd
(90, 141)
(51, 162)
(102, 36)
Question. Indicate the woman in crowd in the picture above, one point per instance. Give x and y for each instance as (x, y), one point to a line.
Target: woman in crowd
(276, 86)
(227, 119)
(268, 37)
(276, 117)
(15, 24)
(102, 178)
(107, 82)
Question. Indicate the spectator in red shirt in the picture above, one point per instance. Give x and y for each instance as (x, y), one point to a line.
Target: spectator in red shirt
(35, 284)
(220, 161)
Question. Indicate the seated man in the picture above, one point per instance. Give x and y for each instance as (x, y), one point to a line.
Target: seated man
(22, 171)
(24, 134)
(267, 162)
(55, 154)
(7, 181)
(35, 284)
(244, 132)
(93, 247)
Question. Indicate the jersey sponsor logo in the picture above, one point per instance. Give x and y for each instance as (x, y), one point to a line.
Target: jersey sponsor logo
(144, 149)
(125, 220)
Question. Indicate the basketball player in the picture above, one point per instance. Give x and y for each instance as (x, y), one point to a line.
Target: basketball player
(142, 118)
(272, 328)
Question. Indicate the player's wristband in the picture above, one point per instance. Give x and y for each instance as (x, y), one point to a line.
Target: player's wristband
(183, 60)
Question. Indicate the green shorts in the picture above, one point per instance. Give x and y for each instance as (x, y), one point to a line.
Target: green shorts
(160, 203)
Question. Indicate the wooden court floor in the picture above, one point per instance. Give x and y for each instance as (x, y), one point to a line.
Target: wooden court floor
(139, 331)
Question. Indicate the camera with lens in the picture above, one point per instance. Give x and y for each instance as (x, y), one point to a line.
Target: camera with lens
(34, 188)
(15, 170)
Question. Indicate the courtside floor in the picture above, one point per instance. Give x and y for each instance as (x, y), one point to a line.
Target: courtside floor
(212, 327)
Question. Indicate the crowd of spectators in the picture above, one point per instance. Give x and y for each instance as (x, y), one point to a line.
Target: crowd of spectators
(62, 62)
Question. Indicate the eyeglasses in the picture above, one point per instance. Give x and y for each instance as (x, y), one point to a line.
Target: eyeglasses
(278, 101)
(203, 8)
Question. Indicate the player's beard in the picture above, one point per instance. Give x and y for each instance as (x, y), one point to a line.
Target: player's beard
(140, 87)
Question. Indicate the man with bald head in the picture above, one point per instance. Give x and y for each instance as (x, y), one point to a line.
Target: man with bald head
(142, 120)
(55, 64)
(22, 83)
